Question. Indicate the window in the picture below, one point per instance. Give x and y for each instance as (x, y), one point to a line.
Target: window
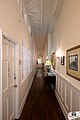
(29, 61)
(23, 61)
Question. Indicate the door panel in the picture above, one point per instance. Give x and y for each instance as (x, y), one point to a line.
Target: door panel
(5, 107)
(5, 75)
(11, 103)
(11, 52)
(5, 51)
(11, 74)
(8, 80)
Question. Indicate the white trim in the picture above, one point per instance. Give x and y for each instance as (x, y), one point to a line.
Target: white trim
(66, 98)
(61, 105)
(66, 79)
(0, 74)
(25, 97)
(71, 95)
(4, 35)
(7, 108)
(71, 100)
(12, 117)
(16, 82)
(5, 90)
(9, 37)
(23, 80)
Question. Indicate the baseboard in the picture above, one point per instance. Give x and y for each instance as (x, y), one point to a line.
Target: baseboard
(25, 97)
(61, 105)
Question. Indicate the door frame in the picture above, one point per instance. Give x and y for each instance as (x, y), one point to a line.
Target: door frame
(16, 82)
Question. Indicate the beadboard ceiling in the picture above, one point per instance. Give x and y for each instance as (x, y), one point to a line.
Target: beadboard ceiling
(42, 15)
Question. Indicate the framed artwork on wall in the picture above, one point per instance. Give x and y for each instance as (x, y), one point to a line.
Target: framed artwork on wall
(73, 62)
(54, 60)
(62, 60)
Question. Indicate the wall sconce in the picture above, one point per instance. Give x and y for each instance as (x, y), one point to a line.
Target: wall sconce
(58, 54)
(62, 60)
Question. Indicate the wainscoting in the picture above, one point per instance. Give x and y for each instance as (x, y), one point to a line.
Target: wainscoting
(67, 95)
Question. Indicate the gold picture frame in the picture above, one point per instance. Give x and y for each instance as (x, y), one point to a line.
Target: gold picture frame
(73, 62)
(54, 60)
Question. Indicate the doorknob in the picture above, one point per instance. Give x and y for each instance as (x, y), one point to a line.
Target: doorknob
(15, 85)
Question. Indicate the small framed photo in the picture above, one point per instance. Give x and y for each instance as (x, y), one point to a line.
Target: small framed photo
(73, 62)
(54, 60)
(62, 60)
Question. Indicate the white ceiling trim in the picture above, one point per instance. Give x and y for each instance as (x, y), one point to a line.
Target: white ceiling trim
(32, 15)
(33, 11)
(33, 5)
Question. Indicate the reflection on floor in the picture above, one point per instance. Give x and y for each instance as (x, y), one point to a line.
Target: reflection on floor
(41, 106)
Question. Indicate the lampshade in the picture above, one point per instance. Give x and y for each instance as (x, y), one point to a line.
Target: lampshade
(48, 63)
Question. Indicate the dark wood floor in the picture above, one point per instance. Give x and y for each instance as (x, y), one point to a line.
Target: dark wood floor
(41, 106)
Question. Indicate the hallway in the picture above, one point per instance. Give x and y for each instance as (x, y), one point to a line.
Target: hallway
(41, 106)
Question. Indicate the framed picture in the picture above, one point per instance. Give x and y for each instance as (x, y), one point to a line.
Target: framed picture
(62, 60)
(73, 62)
(54, 60)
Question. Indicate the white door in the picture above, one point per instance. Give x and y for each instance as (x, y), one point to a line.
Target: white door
(7, 80)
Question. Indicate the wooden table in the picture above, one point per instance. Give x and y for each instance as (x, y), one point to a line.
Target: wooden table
(50, 80)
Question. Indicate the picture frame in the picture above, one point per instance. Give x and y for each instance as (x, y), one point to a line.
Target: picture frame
(73, 62)
(62, 60)
(54, 60)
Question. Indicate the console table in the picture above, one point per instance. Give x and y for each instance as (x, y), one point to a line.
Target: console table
(50, 80)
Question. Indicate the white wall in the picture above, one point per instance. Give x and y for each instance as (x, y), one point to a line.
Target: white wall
(49, 46)
(45, 51)
(66, 34)
(12, 23)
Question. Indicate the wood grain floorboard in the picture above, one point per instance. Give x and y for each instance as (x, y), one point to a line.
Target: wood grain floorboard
(40, 105)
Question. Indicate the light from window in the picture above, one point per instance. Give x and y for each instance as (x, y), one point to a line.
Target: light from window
(29, 61)
(23, 61)
(39, 61)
